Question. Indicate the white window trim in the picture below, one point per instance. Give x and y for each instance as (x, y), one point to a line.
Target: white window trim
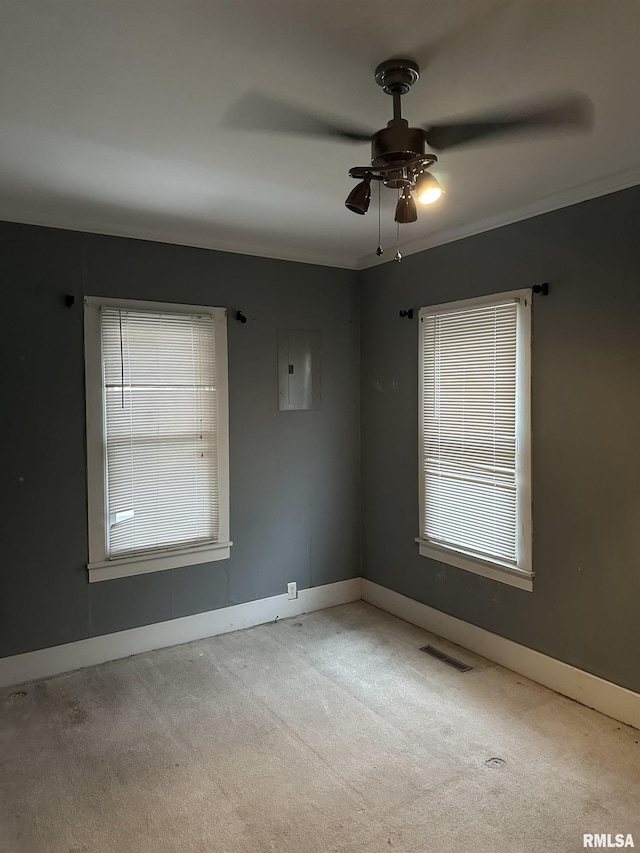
(101, 568)
(522, 576)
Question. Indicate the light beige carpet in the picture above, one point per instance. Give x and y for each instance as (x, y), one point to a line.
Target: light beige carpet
(326, 732)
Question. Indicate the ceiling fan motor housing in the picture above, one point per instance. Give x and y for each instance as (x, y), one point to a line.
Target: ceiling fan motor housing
(396, 143)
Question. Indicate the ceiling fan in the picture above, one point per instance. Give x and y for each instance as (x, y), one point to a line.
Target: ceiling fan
(401, 156)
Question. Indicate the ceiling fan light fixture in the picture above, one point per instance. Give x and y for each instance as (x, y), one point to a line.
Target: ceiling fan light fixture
(359, 197)
(406, 208)
(428, 189)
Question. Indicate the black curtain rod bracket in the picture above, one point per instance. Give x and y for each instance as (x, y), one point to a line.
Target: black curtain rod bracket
(408, 313)
(240, 317)
(542, 289)
(69, 300)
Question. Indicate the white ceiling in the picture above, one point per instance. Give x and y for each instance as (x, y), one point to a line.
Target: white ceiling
(113, 115)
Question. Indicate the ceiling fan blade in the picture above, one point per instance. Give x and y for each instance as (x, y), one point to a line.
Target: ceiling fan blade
(254, 111)
(574, 112)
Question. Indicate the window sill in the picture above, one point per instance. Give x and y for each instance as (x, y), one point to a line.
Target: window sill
(495, 571)
(127, 566)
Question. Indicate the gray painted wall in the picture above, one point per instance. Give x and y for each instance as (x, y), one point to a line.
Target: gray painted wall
(586, 431)
(294, 475)
(295, 499)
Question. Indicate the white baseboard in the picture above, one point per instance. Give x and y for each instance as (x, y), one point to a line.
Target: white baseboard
(588, 689)
(57, 659)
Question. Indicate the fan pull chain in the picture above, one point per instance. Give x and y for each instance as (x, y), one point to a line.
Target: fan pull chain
(398, 255)
(379, 250)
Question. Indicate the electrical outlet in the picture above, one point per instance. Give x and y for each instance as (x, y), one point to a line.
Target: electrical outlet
(292, 589)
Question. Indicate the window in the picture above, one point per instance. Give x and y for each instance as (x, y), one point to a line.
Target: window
(474, 445)
(157, 436)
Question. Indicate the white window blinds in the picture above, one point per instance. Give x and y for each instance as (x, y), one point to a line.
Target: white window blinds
(471, 403)
(160, 410)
